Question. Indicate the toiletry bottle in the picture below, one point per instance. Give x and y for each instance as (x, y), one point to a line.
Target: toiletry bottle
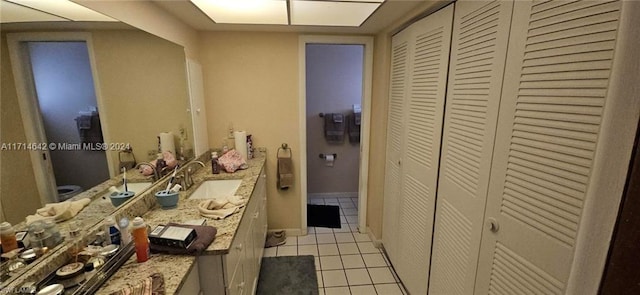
(112, 229)
(160, 164)
(215, 166)
(249, 147)
(76, 239)
(140, 239)
(125, 232)
(8, 237)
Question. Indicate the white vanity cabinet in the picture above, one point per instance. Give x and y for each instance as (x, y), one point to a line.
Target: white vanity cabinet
(237, 272)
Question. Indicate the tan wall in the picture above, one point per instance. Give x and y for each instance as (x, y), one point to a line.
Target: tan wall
(18, 186)
(142, 81)
(251, 81)
(380, 98)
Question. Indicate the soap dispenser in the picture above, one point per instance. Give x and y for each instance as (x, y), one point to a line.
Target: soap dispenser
(215, 166)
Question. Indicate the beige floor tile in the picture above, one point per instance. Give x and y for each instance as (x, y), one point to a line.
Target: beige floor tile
(363, 290)
(333, 278)
(373, 260)
(309, 239)
(326, 238)
(330, 262)
(381, 275)
(344, 237)
(352, 261)
(337, 291)
(367, 248)
(308, 250)
(287, 251)
(348, 248)
(388, 289)
(328, 249)
(357, 276)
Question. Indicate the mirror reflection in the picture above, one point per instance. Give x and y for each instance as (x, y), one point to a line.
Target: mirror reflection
(79, 105)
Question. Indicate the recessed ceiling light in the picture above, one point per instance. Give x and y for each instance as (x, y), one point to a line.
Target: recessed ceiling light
(332, 13)
(245, 11)
(65, 9)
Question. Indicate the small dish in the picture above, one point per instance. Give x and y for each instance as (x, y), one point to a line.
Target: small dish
(118, 199)
(167, 199)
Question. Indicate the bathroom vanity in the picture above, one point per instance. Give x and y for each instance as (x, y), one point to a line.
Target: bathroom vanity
(231, 264)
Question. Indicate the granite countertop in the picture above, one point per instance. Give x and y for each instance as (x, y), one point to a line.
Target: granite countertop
(175, 268)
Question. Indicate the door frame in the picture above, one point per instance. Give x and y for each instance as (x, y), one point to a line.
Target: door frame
(30, 110)
(367, 78)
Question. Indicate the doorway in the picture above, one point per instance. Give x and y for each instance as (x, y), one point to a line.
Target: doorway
(335, 92)
(59, 102)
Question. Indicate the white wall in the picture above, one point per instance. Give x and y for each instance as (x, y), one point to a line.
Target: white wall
(64, 85)
(333, 85)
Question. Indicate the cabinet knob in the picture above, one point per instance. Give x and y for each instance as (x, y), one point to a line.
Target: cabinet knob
(399, 162)
(241, 286)
(493, 225)
(264, 176)
(239, 247)
(255, 216)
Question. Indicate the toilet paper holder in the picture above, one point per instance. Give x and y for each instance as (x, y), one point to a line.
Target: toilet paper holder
(324, 156)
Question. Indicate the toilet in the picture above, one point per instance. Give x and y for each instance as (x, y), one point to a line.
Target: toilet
(66, 192)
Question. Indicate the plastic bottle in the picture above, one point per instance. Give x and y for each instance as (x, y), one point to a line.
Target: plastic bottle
(112, 230)
(125, 232)
(215, 166)
(140, 239)
(8, 237)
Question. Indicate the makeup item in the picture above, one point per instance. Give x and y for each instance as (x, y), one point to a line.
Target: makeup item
(8, 237)
(55, 289)
(176, 188)
(140, 239)
(28, 255)
(71, 274)
(112, 229)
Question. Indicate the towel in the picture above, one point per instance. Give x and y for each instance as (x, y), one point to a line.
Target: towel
(152, 285)
(205, 236)
(232, 161)
(221, 208)
(59, 211)
(334, 126)
(285, 173)
(353, 128)
(84, 122)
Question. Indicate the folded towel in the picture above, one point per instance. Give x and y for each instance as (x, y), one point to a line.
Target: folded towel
(353, 128)
(152, 285)
(334, 126)
(221, 208)
(84, 122)
(205, 236)
(285, 173)
(59, 211)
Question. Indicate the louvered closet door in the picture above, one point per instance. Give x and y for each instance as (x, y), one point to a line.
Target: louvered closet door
(424, 109)
(478, 53)
(560, 55)
(397, 93)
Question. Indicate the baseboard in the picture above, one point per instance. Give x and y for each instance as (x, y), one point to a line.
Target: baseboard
(333, 195)
(377, 242)
(290, 231)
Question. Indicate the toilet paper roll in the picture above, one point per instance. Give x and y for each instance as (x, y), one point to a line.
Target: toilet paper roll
(328, 160)
(241, 142)
(167, 142)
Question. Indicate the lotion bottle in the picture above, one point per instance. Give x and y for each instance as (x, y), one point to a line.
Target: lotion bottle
(140, 239)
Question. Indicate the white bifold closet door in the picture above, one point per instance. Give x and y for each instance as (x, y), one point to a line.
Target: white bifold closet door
(420, 55)
(478, 53)
(558, 67)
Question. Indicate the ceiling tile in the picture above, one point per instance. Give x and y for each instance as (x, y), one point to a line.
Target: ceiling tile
(245, 11)
(329, 13)
(65, 9)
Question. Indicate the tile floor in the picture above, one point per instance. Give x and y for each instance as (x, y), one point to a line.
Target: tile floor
(346, 261)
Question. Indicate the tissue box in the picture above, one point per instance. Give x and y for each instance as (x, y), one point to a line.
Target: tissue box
(172, 236)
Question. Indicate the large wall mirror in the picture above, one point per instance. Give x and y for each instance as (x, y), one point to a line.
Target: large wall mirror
(77, 79)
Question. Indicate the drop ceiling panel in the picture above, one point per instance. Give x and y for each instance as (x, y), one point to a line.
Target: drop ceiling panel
(244, 11)
(326, 13)
(65, 9)
(13, 13)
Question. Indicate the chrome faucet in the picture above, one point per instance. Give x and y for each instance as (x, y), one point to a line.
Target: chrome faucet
(187, 171)
(156, 173)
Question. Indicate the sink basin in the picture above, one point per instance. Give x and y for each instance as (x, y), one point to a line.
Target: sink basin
(213, 189)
